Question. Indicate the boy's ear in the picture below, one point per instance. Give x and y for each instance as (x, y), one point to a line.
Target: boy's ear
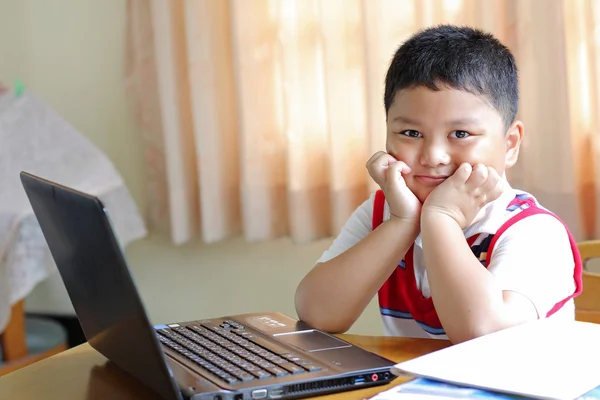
(514, 136)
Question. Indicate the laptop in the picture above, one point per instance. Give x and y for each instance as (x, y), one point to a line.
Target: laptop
(265, 355)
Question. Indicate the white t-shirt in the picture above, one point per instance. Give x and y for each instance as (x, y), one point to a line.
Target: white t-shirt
(533, 257)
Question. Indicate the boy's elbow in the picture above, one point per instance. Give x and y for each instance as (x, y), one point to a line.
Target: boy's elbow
(324, 324)
(460, 337)
(474, 330)
(321, 322)
(316, 317)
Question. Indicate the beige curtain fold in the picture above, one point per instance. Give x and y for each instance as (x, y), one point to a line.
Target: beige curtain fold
(582, 21)
(546, 165)
(259, 115)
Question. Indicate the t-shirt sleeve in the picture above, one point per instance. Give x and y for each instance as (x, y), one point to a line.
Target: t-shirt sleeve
(357, 227)
(534, 258)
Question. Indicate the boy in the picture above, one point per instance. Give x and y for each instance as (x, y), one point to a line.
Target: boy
(449, 247)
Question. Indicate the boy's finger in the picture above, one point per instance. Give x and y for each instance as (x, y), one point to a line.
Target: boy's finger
(385, 160)
(395, 171)
(376, 170)
(404, 168)
(498, 188)
(374, 158)
(462, 173)
(378, 174)
(478, 177)
(491, 182)
(380, 161)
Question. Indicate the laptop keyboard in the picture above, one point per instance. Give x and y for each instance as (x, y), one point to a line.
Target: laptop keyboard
(232, 353)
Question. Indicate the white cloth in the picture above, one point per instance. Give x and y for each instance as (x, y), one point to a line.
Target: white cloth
(35, 139)
(533, 258)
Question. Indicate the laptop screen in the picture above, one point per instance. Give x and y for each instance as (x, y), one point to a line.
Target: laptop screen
(98, 281)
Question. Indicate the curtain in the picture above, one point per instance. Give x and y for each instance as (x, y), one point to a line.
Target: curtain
(259, 116)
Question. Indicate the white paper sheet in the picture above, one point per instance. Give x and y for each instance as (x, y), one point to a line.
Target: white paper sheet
(546, 359)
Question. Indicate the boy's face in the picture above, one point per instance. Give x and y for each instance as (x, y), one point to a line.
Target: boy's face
(434, 132)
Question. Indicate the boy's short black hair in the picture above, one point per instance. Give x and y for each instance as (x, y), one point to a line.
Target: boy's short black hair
(462, 58)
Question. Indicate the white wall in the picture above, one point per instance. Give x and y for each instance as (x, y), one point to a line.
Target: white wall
(71, 53)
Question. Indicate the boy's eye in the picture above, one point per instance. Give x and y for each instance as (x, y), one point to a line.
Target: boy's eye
(460, 134)
(411, 133)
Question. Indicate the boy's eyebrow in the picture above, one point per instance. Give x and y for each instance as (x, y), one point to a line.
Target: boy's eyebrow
(406, 120)
(464, 121)
(460, 121)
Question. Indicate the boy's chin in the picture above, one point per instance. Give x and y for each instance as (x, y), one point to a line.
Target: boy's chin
(421, 193)
(422, 199)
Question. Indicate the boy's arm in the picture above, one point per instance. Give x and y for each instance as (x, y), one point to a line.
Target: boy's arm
(333, 294)
(468, 299)
(471, 300)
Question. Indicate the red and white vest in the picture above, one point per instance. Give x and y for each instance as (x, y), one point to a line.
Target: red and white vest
(399, 297)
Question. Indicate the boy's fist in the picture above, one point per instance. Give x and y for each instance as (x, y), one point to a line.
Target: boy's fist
(388, 172)
(464, 194)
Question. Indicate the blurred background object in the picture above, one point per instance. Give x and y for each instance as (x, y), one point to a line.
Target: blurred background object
(35, 139)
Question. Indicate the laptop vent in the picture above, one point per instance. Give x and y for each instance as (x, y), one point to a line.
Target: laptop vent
(319, 385)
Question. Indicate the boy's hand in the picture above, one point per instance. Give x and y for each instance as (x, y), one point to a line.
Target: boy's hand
(464, 194)
(387, 172)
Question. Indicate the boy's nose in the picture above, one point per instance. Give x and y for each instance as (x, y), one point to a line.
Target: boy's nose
(433, 155)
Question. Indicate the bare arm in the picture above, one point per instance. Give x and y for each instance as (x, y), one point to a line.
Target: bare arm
(467, 297)
(333, 294)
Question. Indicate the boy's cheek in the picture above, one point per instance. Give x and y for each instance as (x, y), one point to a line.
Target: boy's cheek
(391, 152)
(400, 156)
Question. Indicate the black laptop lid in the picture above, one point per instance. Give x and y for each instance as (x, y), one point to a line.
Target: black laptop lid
(97, 279)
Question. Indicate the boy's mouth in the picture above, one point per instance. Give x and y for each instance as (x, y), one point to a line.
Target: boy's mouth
(431, 179)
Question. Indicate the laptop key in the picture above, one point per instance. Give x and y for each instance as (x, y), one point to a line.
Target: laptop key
(264, 364)
(269, 345)
(276, 371)
(234, 324)
(220, 373)
(261, 374)
(241, 374)
(245, 377)
(277, 360)
(292, 368)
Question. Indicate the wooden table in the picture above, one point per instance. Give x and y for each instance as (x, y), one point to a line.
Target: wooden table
(80, 373)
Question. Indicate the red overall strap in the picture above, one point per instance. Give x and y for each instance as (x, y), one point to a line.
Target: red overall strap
(534, 210)
(425, 311)
(378, 206)
(399, 294)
